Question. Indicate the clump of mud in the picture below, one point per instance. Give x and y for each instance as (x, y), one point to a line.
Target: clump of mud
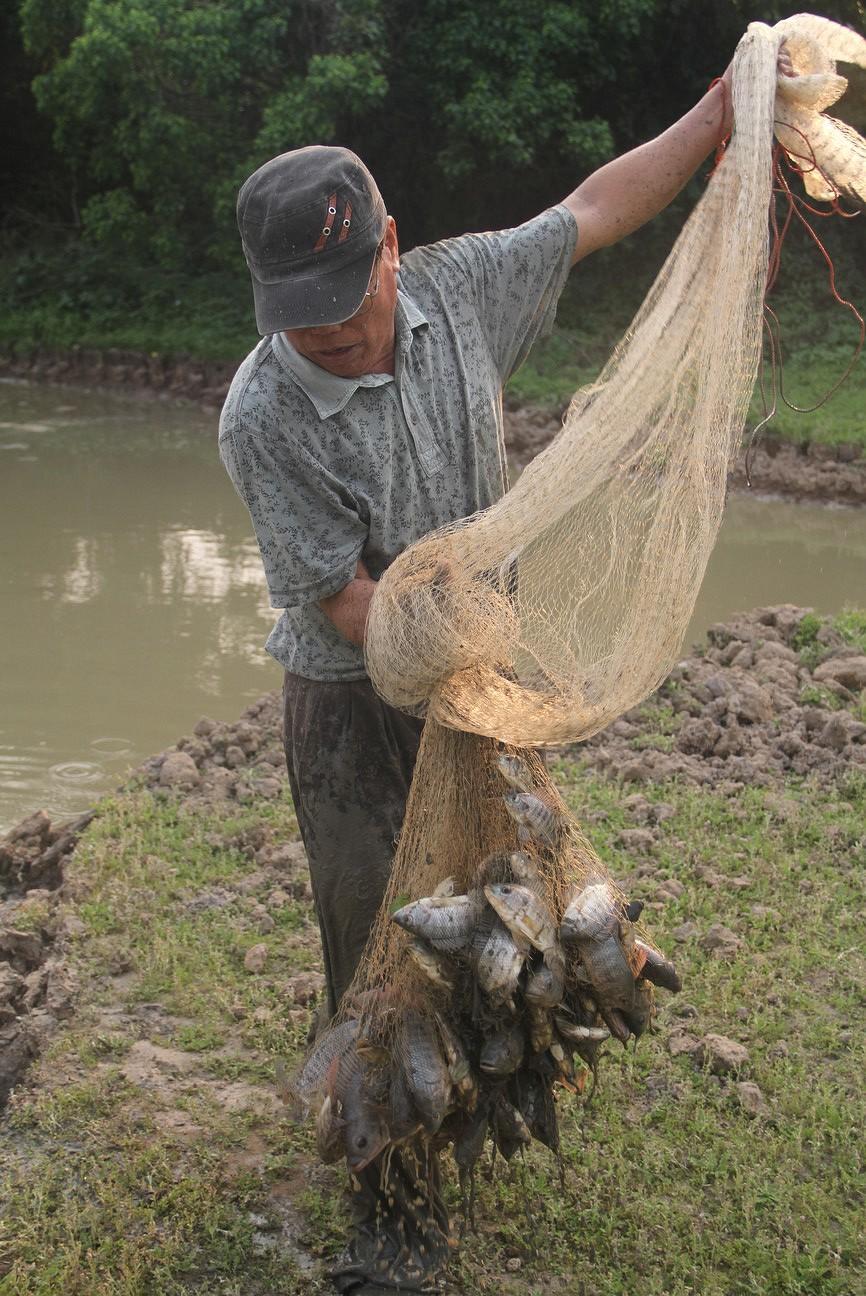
(749, 710)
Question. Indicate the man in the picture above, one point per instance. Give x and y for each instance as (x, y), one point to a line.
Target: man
(368, 415)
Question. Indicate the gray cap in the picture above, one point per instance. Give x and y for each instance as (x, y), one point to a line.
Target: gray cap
(310, 223)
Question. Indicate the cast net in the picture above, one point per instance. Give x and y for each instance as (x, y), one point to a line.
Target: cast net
(512, 955)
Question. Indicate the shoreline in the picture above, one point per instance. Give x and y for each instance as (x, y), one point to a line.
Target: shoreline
(807, 471)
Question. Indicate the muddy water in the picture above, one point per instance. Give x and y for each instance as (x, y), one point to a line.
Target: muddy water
(134, 603)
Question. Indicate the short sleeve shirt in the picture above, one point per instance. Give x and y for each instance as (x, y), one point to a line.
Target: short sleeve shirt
(334, 469)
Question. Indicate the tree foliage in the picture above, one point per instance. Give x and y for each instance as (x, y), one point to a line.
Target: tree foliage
(469, 112)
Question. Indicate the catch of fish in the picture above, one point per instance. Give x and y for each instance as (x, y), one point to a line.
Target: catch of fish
(519, 999)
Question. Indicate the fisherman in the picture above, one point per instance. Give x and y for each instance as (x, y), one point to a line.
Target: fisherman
(369, 414)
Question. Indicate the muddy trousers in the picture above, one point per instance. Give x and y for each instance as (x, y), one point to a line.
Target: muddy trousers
(350, 759)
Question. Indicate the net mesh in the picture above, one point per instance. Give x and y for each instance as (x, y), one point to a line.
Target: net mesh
(539, 621)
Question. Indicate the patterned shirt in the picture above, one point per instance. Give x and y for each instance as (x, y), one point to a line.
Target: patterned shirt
(334, 469)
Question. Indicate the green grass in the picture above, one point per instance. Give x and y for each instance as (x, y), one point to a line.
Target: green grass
(121, 1186)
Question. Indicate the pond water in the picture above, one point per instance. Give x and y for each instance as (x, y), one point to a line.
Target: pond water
(134, 601)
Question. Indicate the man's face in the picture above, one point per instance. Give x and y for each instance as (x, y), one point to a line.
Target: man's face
(364, 343)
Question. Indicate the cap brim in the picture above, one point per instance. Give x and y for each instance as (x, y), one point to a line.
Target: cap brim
(309, 301)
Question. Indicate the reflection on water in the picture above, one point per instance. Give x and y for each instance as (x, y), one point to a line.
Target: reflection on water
(132, 586)
(135, 602)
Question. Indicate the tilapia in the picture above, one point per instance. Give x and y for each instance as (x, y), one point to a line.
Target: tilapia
(525, 872)
(510, 1130)
(540, 1025)
(502, 1052)
(580, 1034)
(535, 816)
(639, 1016)
(446, 922)
(610, 972)
(515, 772)
(616, 1023)
(545, 984)
(427, 1075)
(365, 1132)
(523, 913)
(534, 1100)
(592, 914)
(433, 964)
(403, 1120)
(499, 964)
(469, 1143)
(329, 1131)
(334, 1042)
(457, 1063)
(658, 969)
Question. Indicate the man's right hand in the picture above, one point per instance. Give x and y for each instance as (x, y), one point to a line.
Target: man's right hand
(347, 609)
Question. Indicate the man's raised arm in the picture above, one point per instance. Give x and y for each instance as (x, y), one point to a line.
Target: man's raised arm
(625, 193)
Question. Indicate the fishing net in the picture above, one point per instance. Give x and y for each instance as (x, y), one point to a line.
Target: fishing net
(537, 622)
(543, 618)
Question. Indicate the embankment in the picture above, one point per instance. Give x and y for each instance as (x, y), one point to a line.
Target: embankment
(808, 470)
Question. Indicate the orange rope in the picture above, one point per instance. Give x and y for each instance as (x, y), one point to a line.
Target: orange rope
(794, 208)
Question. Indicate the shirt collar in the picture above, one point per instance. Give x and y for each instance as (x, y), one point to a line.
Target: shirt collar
(329, 393)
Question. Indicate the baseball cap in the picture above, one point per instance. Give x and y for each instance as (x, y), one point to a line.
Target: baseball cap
(310, 222)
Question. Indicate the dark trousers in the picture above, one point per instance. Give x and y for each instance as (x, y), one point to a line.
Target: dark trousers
(350, 759)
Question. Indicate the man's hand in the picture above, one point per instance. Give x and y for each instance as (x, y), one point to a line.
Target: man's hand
(347, 609)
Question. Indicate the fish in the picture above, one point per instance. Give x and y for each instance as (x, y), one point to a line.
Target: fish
(502, 1052)
(403, 1120)
(580, 1034)
(469, 1143)
(610, 973)
(563, 1066)
(640, 1015)
(616, 1023)
(499, 964)
(427, 1075)
(433, 964)
(446, 922)
(545, 984)
(535, 816)
(329, 1131)
(633, 910)
(540, 1028)
(457, 1063)
(447, 887)
(365, 1128)
(510, 1131)
(658, 969)
(523, 913)
(525, 873)
(332, 1044)
(591, 915)
(533, 1098)
(515, 772)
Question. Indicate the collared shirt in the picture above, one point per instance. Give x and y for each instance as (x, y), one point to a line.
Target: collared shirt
(337, 469)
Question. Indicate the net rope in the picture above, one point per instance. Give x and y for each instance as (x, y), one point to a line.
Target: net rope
(541, 620)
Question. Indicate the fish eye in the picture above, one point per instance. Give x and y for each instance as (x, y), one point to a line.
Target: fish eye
(361, 1140)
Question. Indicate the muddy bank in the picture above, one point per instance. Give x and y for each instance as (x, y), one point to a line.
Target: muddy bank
(808, 471)
(135, 372)
(776, 693)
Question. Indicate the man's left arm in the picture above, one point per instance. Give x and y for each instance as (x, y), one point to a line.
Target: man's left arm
(627, 192)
